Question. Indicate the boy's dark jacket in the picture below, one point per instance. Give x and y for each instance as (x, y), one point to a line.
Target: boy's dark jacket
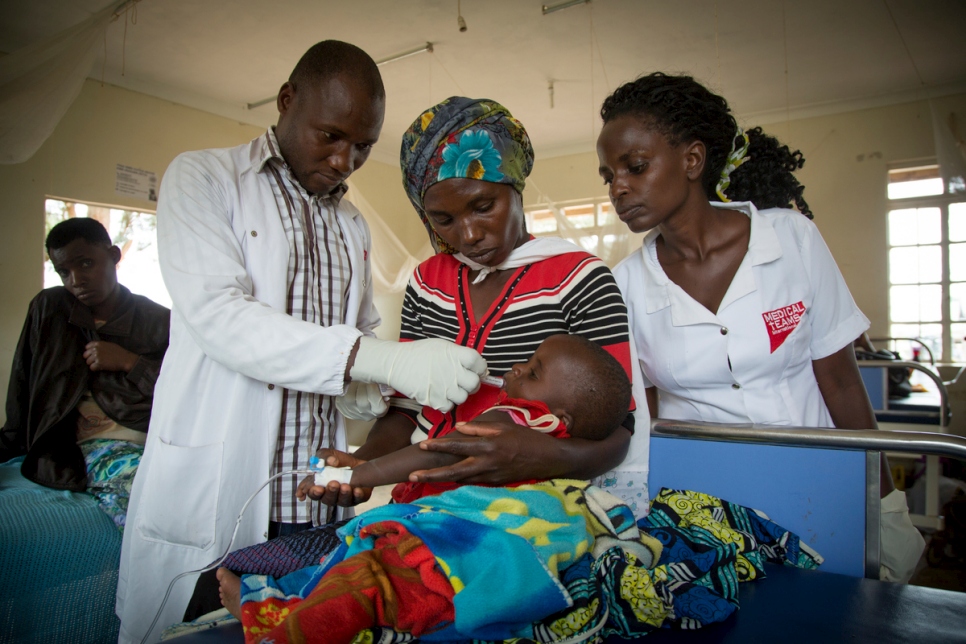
(49, 375)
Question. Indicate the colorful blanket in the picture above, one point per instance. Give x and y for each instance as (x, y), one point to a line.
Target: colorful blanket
(535, 563)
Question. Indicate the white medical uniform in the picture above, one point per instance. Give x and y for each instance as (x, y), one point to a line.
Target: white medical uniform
(752, 361)
(224, 257)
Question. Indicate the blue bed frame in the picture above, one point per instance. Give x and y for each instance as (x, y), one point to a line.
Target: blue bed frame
(828, 497)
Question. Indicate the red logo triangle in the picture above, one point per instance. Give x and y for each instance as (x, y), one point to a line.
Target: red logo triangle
(781, 322)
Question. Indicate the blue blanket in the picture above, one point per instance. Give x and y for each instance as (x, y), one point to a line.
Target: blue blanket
(58, 564)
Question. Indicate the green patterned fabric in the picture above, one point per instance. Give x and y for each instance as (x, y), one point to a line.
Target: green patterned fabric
(111, 466)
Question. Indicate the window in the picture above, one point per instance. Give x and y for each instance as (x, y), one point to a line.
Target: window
(591, 224)
(927, 262)
(133, 232)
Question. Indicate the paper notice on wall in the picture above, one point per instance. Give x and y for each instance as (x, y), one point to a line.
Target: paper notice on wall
(135, 182)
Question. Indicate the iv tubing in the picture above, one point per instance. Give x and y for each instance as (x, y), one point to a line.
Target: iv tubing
(234, 534)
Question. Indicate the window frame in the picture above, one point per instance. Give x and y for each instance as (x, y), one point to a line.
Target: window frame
(941, 201)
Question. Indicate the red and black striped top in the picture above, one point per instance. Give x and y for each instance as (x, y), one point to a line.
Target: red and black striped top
(573, 293)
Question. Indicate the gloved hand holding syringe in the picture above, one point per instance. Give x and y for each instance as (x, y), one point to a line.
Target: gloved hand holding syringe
(486, 379)
(433, 372)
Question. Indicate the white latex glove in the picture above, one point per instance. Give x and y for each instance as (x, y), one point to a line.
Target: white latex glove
(433, 372)
(362, 401)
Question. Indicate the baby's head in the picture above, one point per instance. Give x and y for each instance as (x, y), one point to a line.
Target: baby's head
(578, 381)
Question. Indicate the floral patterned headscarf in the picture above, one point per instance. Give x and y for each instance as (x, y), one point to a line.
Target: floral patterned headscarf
(463, 138)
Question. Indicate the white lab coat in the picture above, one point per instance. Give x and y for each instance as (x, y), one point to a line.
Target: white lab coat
(224, 258)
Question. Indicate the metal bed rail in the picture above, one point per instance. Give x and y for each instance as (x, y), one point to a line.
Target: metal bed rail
(892, 341)
(930, 443)
(944, 412)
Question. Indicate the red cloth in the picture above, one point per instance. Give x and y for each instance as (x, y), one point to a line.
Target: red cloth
(397, 584)
(480, 402)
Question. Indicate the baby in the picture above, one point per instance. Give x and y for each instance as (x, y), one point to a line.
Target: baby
(569, 387)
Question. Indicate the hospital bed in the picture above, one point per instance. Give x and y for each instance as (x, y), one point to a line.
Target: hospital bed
(822, 484)
(922, 346)
(924, 411)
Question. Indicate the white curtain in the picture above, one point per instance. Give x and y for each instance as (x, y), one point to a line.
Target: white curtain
(392, 263)
(612, 241)
(40, 81)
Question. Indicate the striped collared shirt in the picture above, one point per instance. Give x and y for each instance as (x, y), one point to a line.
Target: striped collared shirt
(319, 274)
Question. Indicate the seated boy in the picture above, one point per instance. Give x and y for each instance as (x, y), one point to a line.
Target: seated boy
(83, 374)
(569, 387)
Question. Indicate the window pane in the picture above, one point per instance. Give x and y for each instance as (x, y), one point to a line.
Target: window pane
(957, 262)
(957, 222)
(911, 226)
(930, 231)
(903, 227)
(929, 334)
(902, 347)
(915, 303)
(957, 301)
(904, 304)
(920, 188)
(931, 304)
(958, 332)
(932, 336)
(541, 221)
(904, 265)
(904, 331)
(930, 264)
(581, 216)
(915, 264)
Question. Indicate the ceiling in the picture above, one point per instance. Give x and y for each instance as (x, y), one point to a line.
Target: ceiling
(219, 55)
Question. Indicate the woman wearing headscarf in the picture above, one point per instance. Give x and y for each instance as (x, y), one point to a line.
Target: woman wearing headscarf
(494, 287)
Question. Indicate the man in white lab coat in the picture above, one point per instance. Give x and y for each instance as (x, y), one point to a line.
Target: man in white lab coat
(268, 270)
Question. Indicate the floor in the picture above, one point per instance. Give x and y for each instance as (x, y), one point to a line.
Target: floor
(943, 564)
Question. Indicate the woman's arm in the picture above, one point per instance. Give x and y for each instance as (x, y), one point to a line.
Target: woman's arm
(503, 453)
(847, 401)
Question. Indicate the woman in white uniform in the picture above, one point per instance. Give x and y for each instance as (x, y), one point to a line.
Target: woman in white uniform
(738, 310)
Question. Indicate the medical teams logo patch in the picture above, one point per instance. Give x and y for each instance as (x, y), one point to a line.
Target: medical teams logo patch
(782, 321)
